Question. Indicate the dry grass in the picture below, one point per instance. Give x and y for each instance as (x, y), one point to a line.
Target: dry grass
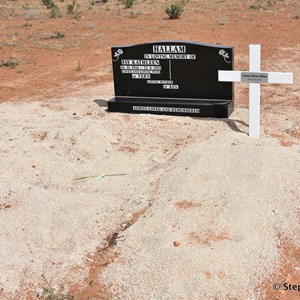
(37, 10)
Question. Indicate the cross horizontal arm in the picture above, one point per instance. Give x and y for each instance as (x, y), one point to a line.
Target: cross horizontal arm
(230, 76)
(279, 77)
(273, 77)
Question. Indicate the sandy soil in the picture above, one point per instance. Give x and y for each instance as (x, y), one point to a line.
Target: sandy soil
(202, 212)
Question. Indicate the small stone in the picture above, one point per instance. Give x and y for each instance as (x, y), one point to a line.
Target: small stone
(222, 275)
(289, 278)
(33, 166)
(89, 113)
(207, 274)
(176, 244)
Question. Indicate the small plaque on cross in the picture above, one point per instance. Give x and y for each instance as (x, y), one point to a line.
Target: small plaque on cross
(252, 77)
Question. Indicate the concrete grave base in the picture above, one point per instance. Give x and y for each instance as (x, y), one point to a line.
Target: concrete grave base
(194, 108)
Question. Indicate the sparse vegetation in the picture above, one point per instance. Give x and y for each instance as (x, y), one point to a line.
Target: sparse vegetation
(258, 7)
(26, 6)
(93, 2)
(135, 14)
(223, 19)
(78, 68)
(271, 2)
(49, 3)
(9, 63)
(263, 4)
(54, 10)
(57, 35)
(73, 9)
(90, 25)
(31, 14)
(54, 294)
(175, 10)
(127, 3)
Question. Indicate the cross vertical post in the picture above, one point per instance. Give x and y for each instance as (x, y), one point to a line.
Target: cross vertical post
(254, 93)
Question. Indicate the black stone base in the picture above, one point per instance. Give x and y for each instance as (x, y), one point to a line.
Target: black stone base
(176, 107)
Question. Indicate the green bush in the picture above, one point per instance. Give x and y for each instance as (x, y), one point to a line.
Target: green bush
(127, 3)
(174, 11)
(49, 3)
(73, 9)
(54, 10)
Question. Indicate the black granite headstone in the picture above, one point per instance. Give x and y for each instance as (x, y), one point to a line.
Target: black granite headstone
(172, 77)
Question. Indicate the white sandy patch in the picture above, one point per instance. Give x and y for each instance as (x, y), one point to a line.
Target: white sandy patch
(244, 195)
(245, 191)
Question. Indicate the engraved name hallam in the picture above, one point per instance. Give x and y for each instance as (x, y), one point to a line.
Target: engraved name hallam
(169, 49)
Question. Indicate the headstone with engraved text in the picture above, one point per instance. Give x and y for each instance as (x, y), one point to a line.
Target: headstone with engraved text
(172, 77)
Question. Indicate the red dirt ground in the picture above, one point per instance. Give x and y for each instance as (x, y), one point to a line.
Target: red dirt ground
(48, 66)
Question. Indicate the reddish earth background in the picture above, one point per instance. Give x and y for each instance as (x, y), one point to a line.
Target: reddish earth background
(49, 68)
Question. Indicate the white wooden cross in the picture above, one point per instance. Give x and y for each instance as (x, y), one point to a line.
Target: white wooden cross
(255, 77)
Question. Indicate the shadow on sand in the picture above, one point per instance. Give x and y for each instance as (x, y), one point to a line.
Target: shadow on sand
(101, 102)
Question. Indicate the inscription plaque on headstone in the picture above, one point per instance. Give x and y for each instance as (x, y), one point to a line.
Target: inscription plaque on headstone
(172, 77)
